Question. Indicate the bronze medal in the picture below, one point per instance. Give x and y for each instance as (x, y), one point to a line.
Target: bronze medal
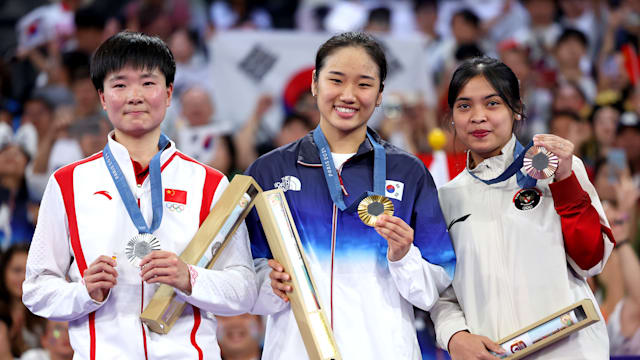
(371, 207)
(540, 163)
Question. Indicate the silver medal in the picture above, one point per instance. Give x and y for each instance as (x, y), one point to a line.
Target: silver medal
(140, 246)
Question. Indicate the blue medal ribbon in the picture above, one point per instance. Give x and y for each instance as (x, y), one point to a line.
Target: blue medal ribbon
(331, 174)
(128, 199)
(524, 181)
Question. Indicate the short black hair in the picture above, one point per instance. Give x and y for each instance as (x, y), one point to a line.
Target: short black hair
(134, 49)
(380, 14)
(354, 39)
(419, 4)
(576, 34)
(468, 16)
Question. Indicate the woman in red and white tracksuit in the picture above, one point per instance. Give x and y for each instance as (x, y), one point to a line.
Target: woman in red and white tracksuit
(79, 268)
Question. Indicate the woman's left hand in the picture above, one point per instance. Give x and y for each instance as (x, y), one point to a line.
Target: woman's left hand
(398, 234)
(165, 267)
(563, 149)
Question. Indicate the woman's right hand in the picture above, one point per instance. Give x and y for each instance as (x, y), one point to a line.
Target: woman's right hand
(464, 345)
(278, 278)
(100, 277)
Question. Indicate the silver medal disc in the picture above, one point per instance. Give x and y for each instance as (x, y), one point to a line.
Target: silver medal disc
(140, 246)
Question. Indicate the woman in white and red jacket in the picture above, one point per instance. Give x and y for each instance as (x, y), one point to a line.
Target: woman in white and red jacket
(524, 248)
(81, 267)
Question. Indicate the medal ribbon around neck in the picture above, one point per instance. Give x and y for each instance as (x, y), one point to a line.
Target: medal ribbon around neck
(128, 199)
(331, 174)
(524, 181)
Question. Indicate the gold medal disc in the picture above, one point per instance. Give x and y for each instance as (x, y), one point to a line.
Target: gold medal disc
(540, 163)
(373, 206)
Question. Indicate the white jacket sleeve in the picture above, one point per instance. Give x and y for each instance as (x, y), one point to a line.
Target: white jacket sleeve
(267, 302)
(229, 288)
(417, 280)
(448, 318)
(46, 290)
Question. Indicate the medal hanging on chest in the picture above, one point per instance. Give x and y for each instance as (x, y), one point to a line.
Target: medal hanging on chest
(144, 242)
(369, 205)
(140, 246)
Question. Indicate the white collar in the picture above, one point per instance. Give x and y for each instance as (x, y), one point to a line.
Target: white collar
(122, 157)
(494, 166)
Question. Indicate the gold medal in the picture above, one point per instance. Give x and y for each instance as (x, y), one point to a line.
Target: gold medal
(140, 246)
(373, 206)
(540, 163)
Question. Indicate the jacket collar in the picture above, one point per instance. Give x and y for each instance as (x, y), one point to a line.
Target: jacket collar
(494, 166)
(121, 155)
(308, 151)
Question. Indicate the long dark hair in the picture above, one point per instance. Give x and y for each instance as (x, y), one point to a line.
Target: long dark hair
(499, 75)
(5, 258)
(353, 39)
(32, 322)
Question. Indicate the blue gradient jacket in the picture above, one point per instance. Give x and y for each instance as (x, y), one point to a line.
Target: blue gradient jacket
(368, 299)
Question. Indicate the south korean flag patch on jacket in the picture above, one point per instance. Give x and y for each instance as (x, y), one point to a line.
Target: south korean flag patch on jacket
(393, 189)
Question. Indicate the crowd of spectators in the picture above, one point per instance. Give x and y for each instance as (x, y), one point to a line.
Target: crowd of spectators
(577, 61)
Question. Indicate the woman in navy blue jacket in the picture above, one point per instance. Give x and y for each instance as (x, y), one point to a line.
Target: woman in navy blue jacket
(368, 277)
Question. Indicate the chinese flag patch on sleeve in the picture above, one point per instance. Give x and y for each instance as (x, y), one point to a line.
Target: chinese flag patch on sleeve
(175, 196)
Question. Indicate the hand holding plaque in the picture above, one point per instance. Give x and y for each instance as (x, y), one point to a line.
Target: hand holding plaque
(287, 249)
(204, 249)
(278, 278)
(549, 330)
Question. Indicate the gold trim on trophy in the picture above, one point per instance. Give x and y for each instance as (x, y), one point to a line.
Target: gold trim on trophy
(140, 246)
(540, 163)
(371, 207)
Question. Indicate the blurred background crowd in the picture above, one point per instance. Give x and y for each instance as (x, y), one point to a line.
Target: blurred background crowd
(577, 61)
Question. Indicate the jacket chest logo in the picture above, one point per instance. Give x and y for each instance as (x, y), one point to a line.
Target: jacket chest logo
(527, 199)
(288, 183)
(175, 200)
(104, 193)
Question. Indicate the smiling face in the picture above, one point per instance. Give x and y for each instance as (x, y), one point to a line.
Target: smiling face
(348, 90)
(482, 119)
(136, 100)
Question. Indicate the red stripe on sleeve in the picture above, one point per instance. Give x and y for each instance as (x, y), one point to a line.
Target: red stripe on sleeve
(196, 325)
(64, 177)
(581, 227)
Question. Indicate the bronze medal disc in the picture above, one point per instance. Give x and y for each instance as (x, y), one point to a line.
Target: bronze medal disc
(540, 163)
(373, 206)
